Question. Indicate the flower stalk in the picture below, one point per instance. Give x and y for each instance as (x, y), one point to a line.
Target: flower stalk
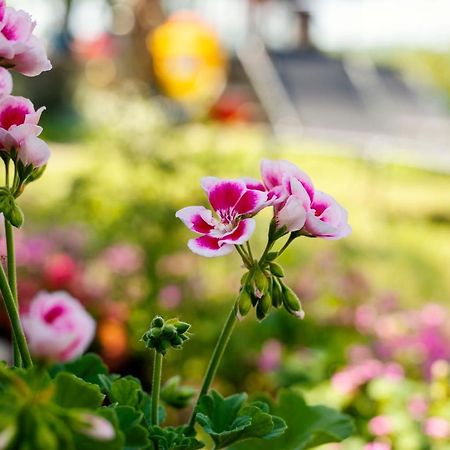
(14, 319)
(156, 386)
(12, 280)
(214, 362)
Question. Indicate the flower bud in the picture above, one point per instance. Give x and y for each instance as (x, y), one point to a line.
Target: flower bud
(158, 322)
(6, 436)
(244, 304)
(277, 293)
(165, 334)
(276, 270)
(292, 303)
(97, 427)
(263, 307)
(260, 282)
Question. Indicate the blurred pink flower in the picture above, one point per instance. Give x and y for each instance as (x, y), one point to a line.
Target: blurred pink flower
(19, 131)
(60, 270)
(233, 201)
(19, 47)
(418, 407)
(380, 425)
(170, 296)
(57, 326)
(270, 358)
(437, 428)
(123, 258)
(97, 427)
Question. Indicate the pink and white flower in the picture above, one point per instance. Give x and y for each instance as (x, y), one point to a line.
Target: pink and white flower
(235, 202)
(326, 218)
(97, 427)
(290, 190)
(57, 326)
(19, 47)
(19, 131)
(298, 206)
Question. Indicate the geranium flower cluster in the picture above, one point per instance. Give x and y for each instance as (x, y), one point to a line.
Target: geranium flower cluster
(298, 210)
(22, 51)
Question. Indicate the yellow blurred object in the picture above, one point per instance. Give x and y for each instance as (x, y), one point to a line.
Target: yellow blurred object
(188, 60)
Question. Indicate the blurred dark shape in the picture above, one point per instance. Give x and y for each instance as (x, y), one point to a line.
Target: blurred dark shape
(353, 101)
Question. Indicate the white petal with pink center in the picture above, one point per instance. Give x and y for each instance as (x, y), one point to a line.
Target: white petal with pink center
(197, 218)
(209, 246)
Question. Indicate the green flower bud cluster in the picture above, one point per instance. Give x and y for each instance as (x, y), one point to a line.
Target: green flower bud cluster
(164, 334)
(263, 288)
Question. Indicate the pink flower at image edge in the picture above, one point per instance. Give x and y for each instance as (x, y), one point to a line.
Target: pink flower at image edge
(57, 327)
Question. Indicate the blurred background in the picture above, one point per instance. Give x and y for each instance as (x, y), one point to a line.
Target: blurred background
(148, 96)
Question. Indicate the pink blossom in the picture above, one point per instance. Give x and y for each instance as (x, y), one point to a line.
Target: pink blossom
(97, 427)
(57, 326)
(380, 425)
(234, 203)
(437, 428)
(19, 47)
(298, 206)
(123, 258)
(326, 218)
(19, 131)
(6, 82)
(290, 190)
(170, 296)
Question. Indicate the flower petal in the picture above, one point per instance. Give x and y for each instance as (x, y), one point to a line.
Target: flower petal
(240, 234)
(207, 182)
(273, 172)
(224, 194)
(34, 151)
(250, 202)
(197, 218)
(292, 215)
(252, 183)
(209, 246)
(327, 218)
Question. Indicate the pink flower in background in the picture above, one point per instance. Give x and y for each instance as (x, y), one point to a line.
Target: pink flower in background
(380, 425)
(170, 296)
(326, 218)
(437, 428)
(290, 190)
(57, 326)
(234, 202)
(270, 358)
(19, 47)
(60, 270)
(19, 130)
(123, 258)
(6, 82)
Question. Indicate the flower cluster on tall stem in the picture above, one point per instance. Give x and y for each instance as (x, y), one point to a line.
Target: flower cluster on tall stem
(298, 210)
(24, 154)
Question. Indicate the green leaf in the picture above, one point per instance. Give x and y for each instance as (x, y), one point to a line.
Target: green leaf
(308, 426)
(229, 420)
(125, 391)
(136, 436)
(171, 438)
(88, 367)
(73, 392)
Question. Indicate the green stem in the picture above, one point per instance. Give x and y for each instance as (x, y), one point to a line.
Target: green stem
(14, 319)
(266, 251)
(249, 249)
(156, 386)
(244, 256)
(292, 236)
(12, 279)
(214, 362)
